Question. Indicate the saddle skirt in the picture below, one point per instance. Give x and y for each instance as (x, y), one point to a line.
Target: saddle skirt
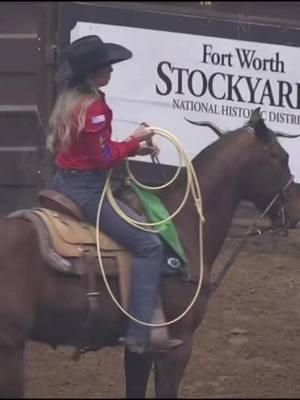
(70, 237)
(65, 243)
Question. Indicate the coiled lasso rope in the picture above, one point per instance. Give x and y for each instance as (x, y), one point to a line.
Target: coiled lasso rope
(192, 185)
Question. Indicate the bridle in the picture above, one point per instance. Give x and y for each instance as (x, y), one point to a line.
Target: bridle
(281, 230)
(254, 229)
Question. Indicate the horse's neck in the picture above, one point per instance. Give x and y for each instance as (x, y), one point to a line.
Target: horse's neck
(219, 176)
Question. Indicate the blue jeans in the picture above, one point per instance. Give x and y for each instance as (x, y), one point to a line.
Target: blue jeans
(85, 189)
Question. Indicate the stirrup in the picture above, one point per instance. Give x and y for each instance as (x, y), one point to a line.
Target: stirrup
(141, 348)
(163, 347)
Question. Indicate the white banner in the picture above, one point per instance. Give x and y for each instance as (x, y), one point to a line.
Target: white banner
(173, 76)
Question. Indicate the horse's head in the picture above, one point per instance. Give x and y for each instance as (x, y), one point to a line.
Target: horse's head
(269, 184)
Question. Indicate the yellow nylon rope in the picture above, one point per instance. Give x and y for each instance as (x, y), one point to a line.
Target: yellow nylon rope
(192, 185)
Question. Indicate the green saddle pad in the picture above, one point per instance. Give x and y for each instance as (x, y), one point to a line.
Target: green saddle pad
(156, 211)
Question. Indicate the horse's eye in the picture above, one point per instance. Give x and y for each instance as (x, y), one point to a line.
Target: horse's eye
(283, 158)
(280, 156)
(274, 154)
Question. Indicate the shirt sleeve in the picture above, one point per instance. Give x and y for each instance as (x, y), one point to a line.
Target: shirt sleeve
(105, 152)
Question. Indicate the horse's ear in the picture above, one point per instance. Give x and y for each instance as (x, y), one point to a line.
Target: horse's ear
(255, 117)
(258, 124)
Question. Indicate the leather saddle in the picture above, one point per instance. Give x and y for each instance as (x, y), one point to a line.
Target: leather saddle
(71, 235)
(68, 244)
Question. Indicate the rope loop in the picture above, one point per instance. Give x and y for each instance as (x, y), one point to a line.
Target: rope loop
(192, 188)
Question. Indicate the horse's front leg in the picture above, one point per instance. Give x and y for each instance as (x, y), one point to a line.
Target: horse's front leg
(137, 371)
(169, 369)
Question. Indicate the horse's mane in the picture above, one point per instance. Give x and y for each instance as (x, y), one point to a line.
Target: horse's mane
(209, 151)
(227, 140)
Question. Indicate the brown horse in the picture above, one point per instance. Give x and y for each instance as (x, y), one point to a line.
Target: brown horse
(37, 303)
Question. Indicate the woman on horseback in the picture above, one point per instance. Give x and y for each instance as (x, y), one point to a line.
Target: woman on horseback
(80, 137)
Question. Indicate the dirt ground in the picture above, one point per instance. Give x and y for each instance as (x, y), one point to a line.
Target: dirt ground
(247, 347)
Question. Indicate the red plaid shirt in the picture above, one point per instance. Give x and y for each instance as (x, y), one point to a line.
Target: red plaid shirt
(93, 148)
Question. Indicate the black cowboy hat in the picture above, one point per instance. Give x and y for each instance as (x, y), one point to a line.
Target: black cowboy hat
(87, 54)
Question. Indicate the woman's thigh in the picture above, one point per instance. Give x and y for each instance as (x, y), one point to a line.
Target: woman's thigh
(121, 231)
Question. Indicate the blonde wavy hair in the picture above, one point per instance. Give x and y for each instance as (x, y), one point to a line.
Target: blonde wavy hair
(63, 121)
